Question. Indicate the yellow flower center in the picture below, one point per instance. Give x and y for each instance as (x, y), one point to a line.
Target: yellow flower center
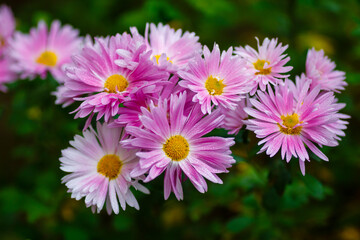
(109, 166)
(290, 121)
(47, 58)
(2, 41)
(158, 56)
(176, 148)
(116, 83)
(214, 85)
(259, 65)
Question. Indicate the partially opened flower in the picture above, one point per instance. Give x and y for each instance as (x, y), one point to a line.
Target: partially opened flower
(216, 79)
(43, 50)
(265, 65)
(6, 75)
(299, 88)
(173, 142)
(7, 26)
(234, 119)
(171, 50)
(109, 72)
(295, 125)
(99, 169)
(321, 70)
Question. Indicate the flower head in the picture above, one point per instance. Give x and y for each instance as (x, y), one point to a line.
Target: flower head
(265, 65)
(293, 124)
(321, 70)
(109, 72)
(100, 169)
(44, 50)
(217, 79)
(171, 50)
(7, 26)
(173, 142)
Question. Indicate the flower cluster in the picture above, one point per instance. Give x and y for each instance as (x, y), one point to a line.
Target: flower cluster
(155, 97)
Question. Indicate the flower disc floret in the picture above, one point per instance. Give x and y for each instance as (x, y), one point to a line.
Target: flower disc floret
(2, 41)
(109, 166)
(214, 85)
(259, 65)
(289, 123)
(47, 58)
(157, 57)
(176, 148)
(116, 83)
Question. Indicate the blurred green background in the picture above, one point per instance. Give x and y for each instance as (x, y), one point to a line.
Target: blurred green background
(261, 198)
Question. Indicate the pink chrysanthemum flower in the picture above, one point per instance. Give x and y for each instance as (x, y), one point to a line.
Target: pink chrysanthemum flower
(216, 78)
(234, 119)
(171, 50)
(293, 125)
(6, 75)
(267, 64)
(321, 70)
(44, 50)
(100, 169)
(7, 26)
(65, 96)
(110, 72)
(174, 143)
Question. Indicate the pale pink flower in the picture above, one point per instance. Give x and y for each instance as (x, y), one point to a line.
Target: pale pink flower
(216, 79)
(7, 26)
(171, 50)
(42, 50)
(99, 169)
(321, 70)
(267, 64)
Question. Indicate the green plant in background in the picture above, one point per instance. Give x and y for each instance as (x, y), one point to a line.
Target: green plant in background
(261, 198)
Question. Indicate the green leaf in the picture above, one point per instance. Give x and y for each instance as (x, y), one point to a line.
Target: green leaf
(271, 199)
(238, 224)
(315, 188)
(72, 233)
(122, 222)
(11, 200)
